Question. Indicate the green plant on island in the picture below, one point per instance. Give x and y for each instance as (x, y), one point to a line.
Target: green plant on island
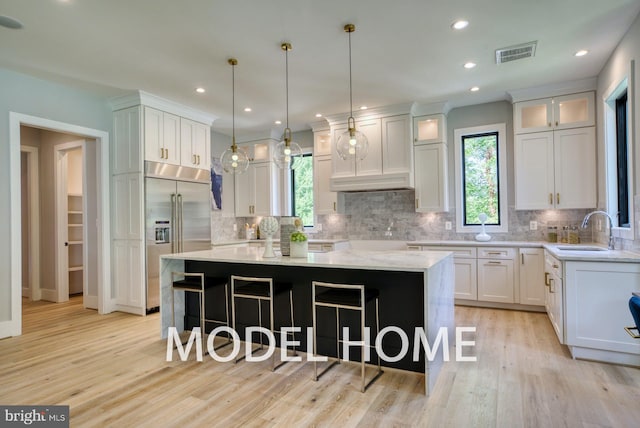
(298, 237)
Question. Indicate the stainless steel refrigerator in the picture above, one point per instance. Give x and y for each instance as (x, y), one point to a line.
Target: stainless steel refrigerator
(178, 217)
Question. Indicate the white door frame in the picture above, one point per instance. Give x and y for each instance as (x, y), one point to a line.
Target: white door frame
(33, 154)
(60, 170)
(105, 303)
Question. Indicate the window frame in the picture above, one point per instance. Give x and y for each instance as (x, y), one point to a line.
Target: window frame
(500, 129)
(291, 192)
(609, 99)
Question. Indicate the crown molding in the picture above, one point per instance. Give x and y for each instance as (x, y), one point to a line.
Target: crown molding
(553, 90)
(146, 99)
(420, 109)
(372, 113)
(321, 125)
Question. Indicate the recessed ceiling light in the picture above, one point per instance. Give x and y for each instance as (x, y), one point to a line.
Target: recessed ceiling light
(459, 24)
(581, 52)
(247, 109)
(318, 115)
(469, 64)
(200, 90)
(475, 89)
(278, 122)
(9, 22)
(363, 107)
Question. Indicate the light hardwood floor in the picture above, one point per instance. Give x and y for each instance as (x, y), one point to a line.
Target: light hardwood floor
(111, 371)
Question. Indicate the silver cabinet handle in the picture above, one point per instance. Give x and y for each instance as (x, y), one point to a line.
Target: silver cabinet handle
(173, 223)
(180, 223)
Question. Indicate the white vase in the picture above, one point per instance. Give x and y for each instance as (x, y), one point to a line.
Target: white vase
(299, 249)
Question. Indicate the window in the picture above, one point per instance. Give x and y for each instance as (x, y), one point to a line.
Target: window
(621, 157)
(618, 155)
(302, 189)
(481, 178)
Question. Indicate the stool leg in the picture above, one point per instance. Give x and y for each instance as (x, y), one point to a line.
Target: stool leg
(315, 339)
(226, 307)
(295, 352)
(260, 320)
(362, 333)
(233, 310)
(378, 330)
(203, 327)
(338, 333)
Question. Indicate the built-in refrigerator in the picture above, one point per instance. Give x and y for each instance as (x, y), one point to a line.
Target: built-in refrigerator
(178, 217)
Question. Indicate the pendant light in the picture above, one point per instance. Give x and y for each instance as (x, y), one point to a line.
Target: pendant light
(352, 144)
(286, 150)
(234, 161)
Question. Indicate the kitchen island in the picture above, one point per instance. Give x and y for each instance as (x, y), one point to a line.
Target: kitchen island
(415, 290)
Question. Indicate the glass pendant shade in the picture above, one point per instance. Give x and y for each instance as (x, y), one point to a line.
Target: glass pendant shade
(234, 161)
(352, 144)
(286, 152)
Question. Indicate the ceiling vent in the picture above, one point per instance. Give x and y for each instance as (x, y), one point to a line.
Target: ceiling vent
(513, 53)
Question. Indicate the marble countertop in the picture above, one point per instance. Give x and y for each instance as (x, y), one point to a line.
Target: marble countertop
(406, 261)
(247, 241)
(519, 244)
(620, 256)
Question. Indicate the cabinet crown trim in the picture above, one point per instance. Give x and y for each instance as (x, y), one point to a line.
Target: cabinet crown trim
(371, 113)
(146, 99)
(554, 90)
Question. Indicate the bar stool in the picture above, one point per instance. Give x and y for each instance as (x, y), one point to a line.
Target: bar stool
(198, 283)
(344, 296)
(260, 289)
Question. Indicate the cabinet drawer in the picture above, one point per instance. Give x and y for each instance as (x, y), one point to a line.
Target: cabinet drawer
(553, 265)
(497, 253)
(458, 252)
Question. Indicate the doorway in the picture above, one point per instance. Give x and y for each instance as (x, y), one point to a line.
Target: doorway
(96, 161)
(62, 241)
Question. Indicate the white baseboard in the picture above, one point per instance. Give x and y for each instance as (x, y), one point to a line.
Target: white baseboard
(131, 310)
(90, 302)
(49, 295)
(605, 356)
(26, 292)
(9, 329)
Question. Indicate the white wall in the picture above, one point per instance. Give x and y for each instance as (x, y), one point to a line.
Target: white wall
(31, 96)
(614, 71)
(74, 171)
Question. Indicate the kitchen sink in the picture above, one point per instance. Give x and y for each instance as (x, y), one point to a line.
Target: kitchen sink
(580, 248)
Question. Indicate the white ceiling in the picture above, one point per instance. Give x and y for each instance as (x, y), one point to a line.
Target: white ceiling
(403, 50)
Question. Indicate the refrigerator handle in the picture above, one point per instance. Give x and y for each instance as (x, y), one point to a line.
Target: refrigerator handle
(173, 223)
(180, 225)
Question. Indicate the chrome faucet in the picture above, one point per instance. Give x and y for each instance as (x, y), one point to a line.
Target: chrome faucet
(585, 222)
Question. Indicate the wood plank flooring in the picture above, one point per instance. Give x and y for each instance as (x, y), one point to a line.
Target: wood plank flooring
(111, 371)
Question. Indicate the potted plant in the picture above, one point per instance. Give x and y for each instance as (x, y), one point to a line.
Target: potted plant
(299, 245)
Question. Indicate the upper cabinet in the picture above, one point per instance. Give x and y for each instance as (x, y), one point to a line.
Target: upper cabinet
(562, 112)
(324, 200)
(161, 136)
(389, 161)
(430, 129)
(195, 144)
(257, 189)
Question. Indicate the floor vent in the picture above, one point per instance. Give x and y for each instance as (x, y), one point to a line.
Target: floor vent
(514, 53)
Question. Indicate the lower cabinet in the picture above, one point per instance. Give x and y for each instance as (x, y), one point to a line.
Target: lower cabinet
(502, 275)
(496, 281)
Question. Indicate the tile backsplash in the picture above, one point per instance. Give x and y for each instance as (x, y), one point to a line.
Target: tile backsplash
(391, 215)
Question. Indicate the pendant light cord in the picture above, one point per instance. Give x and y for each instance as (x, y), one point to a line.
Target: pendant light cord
(233, 104)
(350, 84)
(286, 73)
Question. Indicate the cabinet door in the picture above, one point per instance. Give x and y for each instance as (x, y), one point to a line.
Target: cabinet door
(201, 145)
(127, 142)
(321, 143)
(264, 192)
(171, 138)
(341, 167)
(245, 192)
(533, 116)
(556, 315)
(575, 110)
(431, 180)
(325, 200)
(126, 202)
(429, 129)
(532, 288)
(575, 168)
(128, 270)
(186, 143)
(397, 150)
(495, 281)
(372, 164)
(153, 139)
(466, 284)
(534, 171)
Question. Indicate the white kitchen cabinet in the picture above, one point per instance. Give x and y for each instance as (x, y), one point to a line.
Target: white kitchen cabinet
(556, 169)
(126, 154)
(256, 190)
(389, 162)
(195, 144)
(325, 201)
(554, 295)
(466, 279)
(431, 178)
(161, 136)
(496, 277)
(397, 152)
(562, 112)
(126, 206)
(531, 274)
(322, 142)
(128, 274)
(597, 296)
(430, 129)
